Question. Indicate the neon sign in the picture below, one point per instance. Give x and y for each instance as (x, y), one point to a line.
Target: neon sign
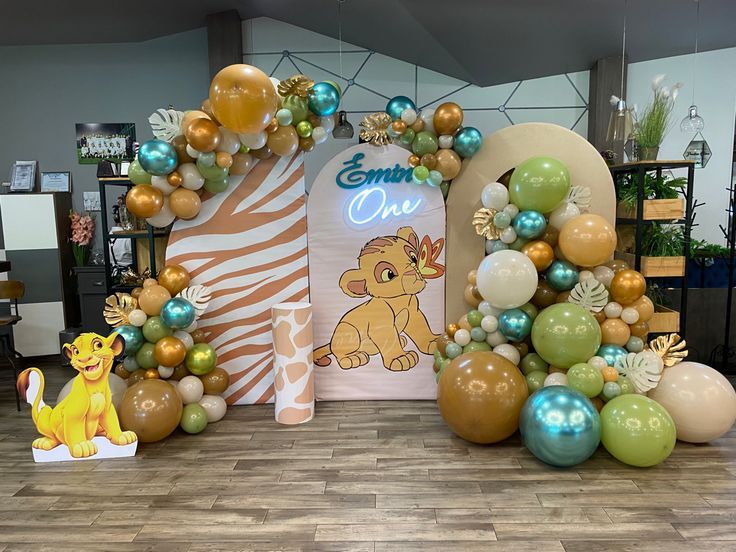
(372, 204)
(352, 176)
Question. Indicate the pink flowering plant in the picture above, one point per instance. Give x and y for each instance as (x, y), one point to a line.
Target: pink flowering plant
(83, 230)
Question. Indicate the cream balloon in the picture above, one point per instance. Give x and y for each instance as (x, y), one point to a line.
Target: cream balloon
(562, 214)
(319, 135)
(191, 389)
(328, 123)
(509, 352)
(494, 339)
(555, 378)
(185, 338)
(229, 141)
(700, 400)
(137, 317)
(215, 407)
(163, 218)
(118, 386)
(507, 279)
(190, 176)
(494, 196)
(604, 275)
(445, 141)
(254, 141)
(191, 152)
(162, 184)
(165, 372)
(427, 115)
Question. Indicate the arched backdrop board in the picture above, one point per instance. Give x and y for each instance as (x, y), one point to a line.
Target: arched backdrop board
(363, 193)
(502, 151)
(249, 245)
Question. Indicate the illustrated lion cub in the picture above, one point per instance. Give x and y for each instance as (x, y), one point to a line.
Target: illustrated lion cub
(87, 410)
(392, 270)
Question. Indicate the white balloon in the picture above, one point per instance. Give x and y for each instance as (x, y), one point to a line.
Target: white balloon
(489, 323)
(562, 214)
(604, 275)
(275, 83)
(494, 196)
(462, 337)
(191, 327)
(409, 116)
(445, 141)
(137, 317)
(509, 352)
(117, 385)
(190, 177)
(508, 235)
(613, 310)
(162, 184)
(191, 389)
(254, 141)
(191, 152)
(598, 362)
(511, 210)
(496, 338)
(507, 279)
(163, 218)
(165, 372)
(556, 378)
(215, 407)
(427, 115)
(328, 123)
(585, 275)
(630, 315)
(319, 135)
(229, 141)
(487, 309)
(182, 336)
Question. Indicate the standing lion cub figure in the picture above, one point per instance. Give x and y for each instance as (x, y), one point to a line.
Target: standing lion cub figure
(87, 410)
(391, 271)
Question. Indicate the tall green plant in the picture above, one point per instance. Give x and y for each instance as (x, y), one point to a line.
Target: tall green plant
(656, 119)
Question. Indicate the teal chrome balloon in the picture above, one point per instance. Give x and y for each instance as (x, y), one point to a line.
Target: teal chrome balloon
(133, 338)
(611, 353)
(515, 324)
(177, 313)
(324, 99)
(562, 275)
(560, 426)
(467, 141)
(157, 157)
(529, 224)
(397, 104)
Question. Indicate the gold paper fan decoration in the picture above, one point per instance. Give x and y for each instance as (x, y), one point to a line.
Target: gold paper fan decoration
(670, 348)
(374, 128)
(483, 223)
(298, 85)
(118, 307)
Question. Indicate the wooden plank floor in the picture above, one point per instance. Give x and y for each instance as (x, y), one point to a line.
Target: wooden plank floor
(364, 476)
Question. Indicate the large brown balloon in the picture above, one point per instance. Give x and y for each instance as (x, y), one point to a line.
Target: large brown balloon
(185, 203)
(587, 240)
(215, 382)
(203, 134)
(135, 377)
(644, 307)
(174, 278)
(627, 286)
(152, 408)
(243, 98)
(180, 145)
(152, 299)
(480, 396)
(448, 163)
(284, 141)
(242, 163)
(615, 331)
(540, 253)
(169, 351)
(144, 201)
(447, 118)
(544, 296)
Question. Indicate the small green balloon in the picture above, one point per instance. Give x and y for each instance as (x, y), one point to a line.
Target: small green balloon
(420, 173)
(532, 362)
(539, 184)
(137, 175)
(206, 159)
(585, 378)
(518, 243)
(445, 189)
(284, 117)
(478, 334)
(216, 186)
(535, 380)
(424, 142)
(565, 334)
(626, 386)
(437, 359)
(443, 364)
(298, 106)
(304, 129)
(200, 359)
(193, 418)
(477, 346)
(611, 390)
(635, 344)
(130, 364)
(408, 136)
(213, 172)
(474, 317)
(530, 309)
(501, 220)
(145, 356)
(154, 329)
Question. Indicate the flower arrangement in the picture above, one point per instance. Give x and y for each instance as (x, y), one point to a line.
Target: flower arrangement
(83, 230)
(655, 121)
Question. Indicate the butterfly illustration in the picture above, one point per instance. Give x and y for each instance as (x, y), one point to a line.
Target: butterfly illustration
(429, 252)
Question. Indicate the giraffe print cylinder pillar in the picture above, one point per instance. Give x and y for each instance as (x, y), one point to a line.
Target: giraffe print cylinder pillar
(292, 362)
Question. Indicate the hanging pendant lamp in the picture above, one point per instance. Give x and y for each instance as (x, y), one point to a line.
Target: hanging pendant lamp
(620, 124)
(692, 122)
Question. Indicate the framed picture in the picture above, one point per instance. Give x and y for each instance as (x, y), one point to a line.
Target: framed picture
(56, 181)
(92, 201)
(112, 142)
(23, 176)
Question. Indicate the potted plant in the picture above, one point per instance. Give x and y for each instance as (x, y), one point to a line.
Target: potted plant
(662, 251)
(656, 119)
(662, 199)
(83, 230)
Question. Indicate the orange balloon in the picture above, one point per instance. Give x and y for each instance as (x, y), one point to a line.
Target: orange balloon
(189, 116)
(185, 203)
(215, 382)
(627, 286)
(609, 374)
(198, 336)
(169, 351)
(148, 282)
(414, 160)
(242, 163)
(451, 329)
(180, 145)
(587, 240)
(470, 297)
(615, 331)
(144, 201)
(540, 253)
(284, 141)
(224, 160)
(644, 307)
(480, 396)
(174, 179)
(243, 98)
(152, 299)
(174, 278)
(203, 134)
(447, 118)
(448, 163)
(152, 408)
(640, 329)
(463, 323)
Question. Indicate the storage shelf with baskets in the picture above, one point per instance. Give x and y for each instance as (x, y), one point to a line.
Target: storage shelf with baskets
(673, 211)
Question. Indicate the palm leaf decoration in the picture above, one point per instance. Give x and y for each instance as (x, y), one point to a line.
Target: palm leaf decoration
(483, 224)
(298, 85)
(670, 348)
(580, 196)
(198, 295)
(118, 307)
(374, 128)
(589, 294)
(641, 370)
(166, 123)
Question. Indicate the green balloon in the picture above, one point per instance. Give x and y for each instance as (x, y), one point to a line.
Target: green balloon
(445, 189)
(477, 346)
(145, 356)
(212, 173)
(626, 386)
(532, 362)
(154, 329)
(424, 142)
(200, 359)
(585, 378)
(216, 186)
(637, 430)
(565, 334)
(193, 418)
(474, 317)
(137, 175)
(298, 106)
(535, 380)
(539, 184)
(408, 136)
(304, 129)
(443, 364)
(530, 309)
(420, 173)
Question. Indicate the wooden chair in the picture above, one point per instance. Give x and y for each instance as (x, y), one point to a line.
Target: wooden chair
(11, 290)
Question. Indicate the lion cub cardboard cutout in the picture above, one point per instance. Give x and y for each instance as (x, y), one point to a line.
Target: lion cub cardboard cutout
(84, 425)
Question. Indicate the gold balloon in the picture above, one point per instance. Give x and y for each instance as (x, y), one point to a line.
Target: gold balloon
(306, 144)
(243, 98)
(615, 331)
(429, 160)
(198, 336)
(399, 127)
(135, 377)
(470, 298)
(540, 253)
(174, 278)
(617, 264)
(144, 201)
(135, 292)
(215, 382)
(587, 240)
(627, 286)
(169, 351)
(414, 160)
(189, 116)
(640, 329)
(223, 159)
(442, 342)
(152, 299)
(644, 307)
(262, 153)
(174, 179)
(451, 329)
(242, 163)
(121, 371)
(448, 163)
(418, 125)
(203, 134)
(180, 145)
(447, 118)
(151, 373)
(551, 235)
(600, 317)
(272, 126)
(185, 203)
(473, 276)
(284, 141)
(544, 296)
(152, 408)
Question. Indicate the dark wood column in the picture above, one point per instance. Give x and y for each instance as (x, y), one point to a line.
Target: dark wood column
(224, 40)
(605, 80)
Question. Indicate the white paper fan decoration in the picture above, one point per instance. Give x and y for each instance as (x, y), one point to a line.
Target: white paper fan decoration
(643, 369)
(589, 294)
(580, 196)
(166, 123)
(198, 295)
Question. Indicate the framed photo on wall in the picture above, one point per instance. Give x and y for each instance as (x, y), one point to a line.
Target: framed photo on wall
(109, 141)
(56, 181)
(23, 176)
